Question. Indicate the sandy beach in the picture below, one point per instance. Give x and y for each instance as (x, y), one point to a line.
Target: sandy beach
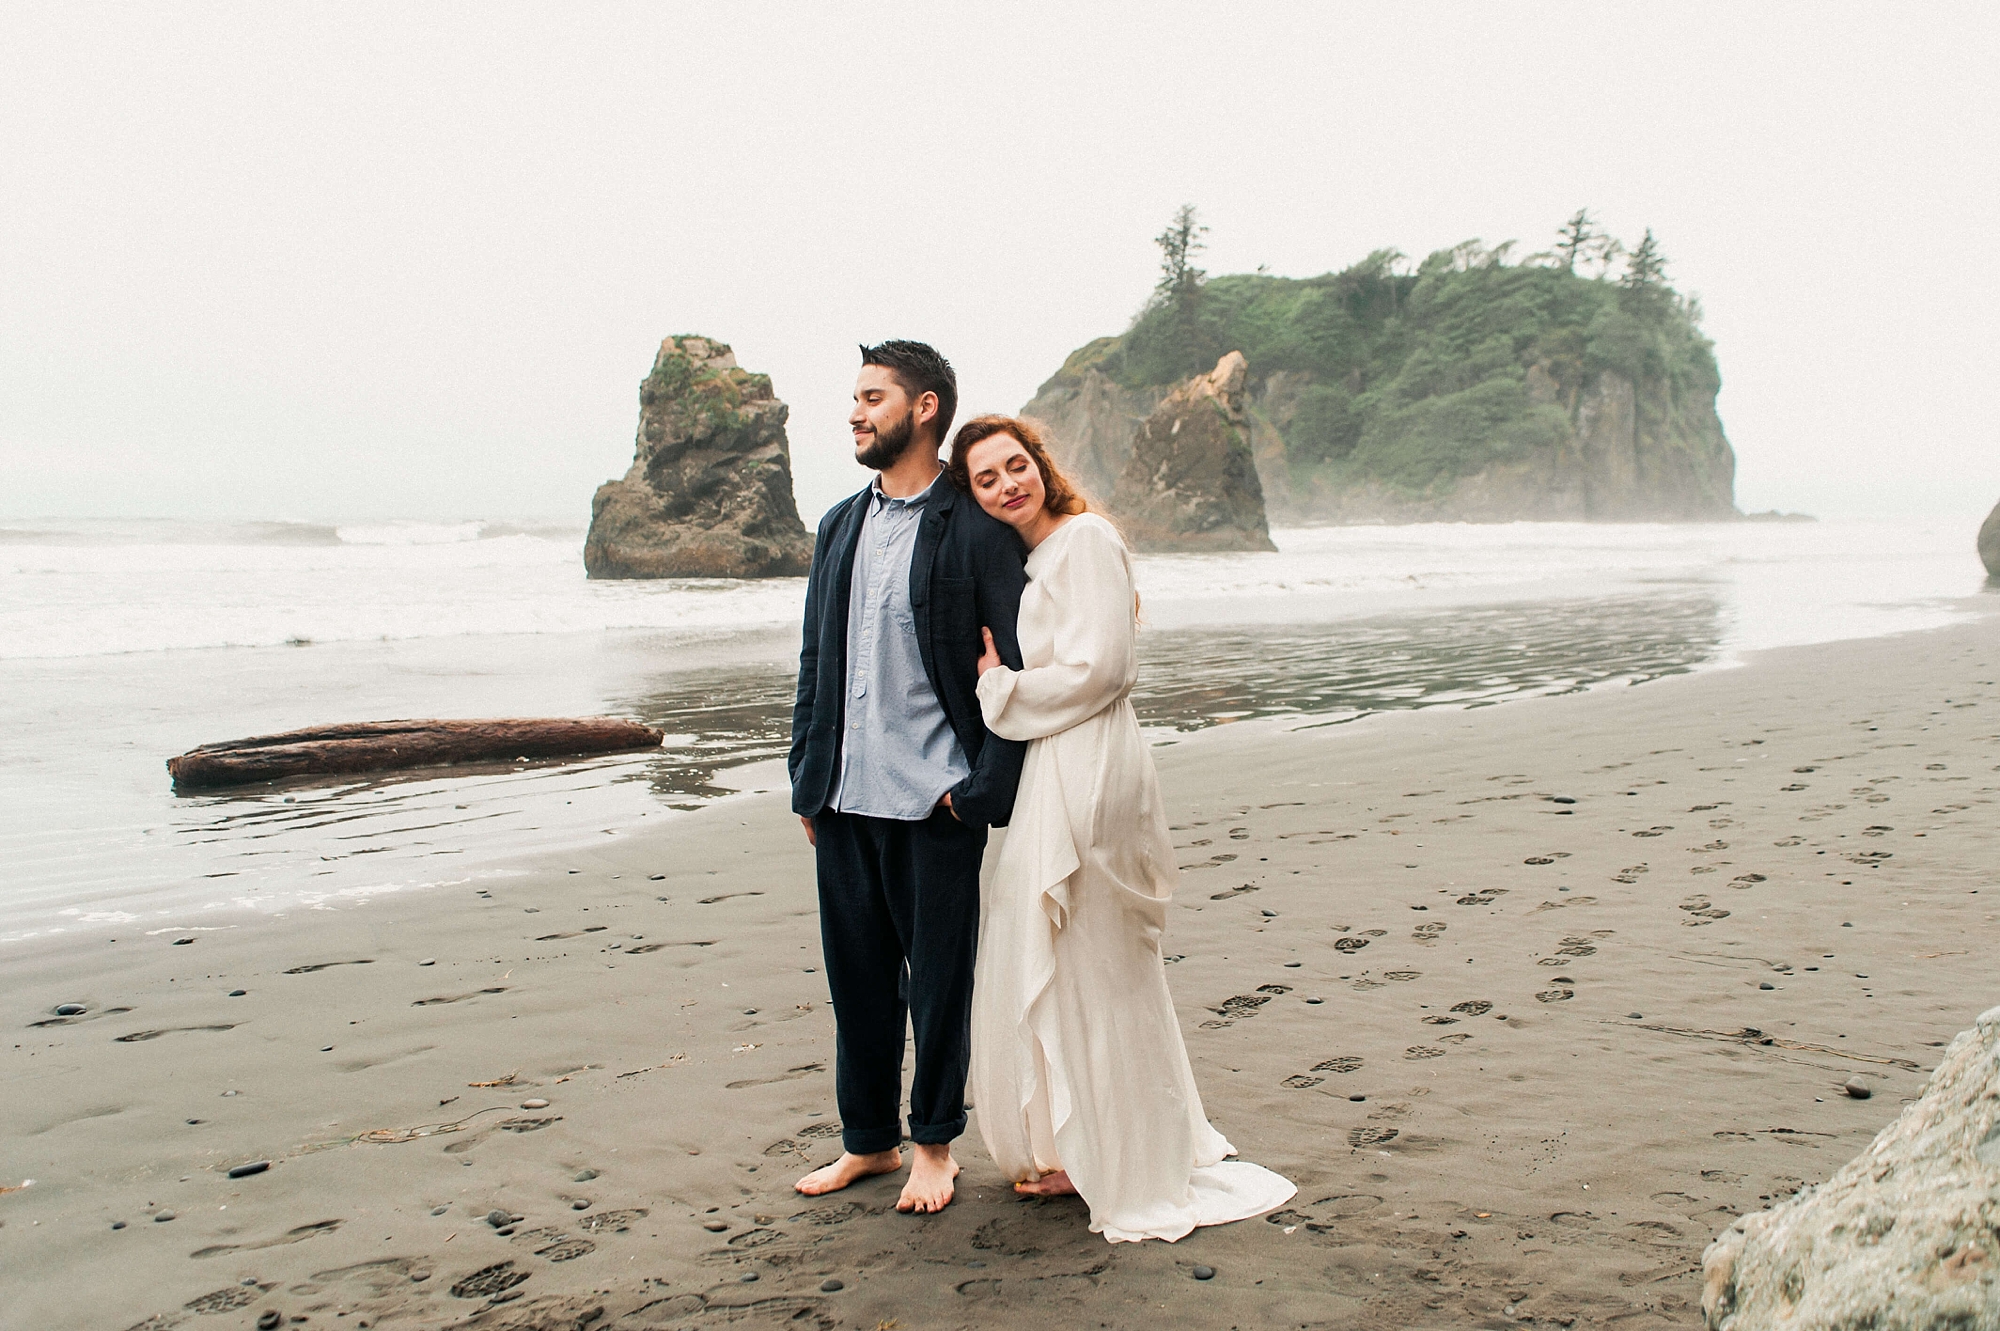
(1530, 1000)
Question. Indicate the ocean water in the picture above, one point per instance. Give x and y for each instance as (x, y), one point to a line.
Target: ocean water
(123, 643)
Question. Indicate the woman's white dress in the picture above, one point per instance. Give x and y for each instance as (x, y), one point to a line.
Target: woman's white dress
(1077, 1059)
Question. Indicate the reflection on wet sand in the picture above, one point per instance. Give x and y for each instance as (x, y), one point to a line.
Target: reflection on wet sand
(1190, 679)
(722, 718)
(1466, 657)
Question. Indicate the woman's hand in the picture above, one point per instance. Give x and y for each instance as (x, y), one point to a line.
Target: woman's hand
(990, 658)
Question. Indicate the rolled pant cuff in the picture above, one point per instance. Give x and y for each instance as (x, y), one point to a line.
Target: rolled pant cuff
(871, 1141)
(937, 1134)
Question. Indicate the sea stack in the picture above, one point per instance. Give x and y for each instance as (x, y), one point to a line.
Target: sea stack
(1191, 481)
(1989, 542)
(709, 494)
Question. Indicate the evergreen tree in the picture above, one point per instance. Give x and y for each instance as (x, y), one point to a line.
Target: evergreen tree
(1179, 243)
(1578, 238)
(1646, 269)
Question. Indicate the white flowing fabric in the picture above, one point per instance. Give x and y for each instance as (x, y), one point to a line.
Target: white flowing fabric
(1077, 1059)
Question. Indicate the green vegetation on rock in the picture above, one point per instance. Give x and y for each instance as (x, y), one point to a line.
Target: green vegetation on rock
(1403, 384)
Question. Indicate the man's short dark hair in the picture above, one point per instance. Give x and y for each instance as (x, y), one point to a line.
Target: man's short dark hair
(919, 369)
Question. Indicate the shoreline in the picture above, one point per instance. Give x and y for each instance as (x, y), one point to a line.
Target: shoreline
(1553, 1155)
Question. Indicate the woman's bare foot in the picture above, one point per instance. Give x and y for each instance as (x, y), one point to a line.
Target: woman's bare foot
(1048, 1185)
(849, 1169)
(930, 1188)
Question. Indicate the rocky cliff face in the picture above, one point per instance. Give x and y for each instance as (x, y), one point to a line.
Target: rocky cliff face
(1630, 454)
(709, 494)
(1989, 542)
(1190, 481)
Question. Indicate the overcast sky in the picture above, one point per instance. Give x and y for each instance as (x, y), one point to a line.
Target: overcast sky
(278, 260)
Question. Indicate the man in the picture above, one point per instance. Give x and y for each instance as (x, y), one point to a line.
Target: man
(893, 772)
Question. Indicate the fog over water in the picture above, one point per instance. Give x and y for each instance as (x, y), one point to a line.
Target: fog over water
(373, 260)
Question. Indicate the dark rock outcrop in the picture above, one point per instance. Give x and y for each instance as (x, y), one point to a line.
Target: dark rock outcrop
(1905, 1237)
(1190, 482)
(709, 494)
(1989, 542)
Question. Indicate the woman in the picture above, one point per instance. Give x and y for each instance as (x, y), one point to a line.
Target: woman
(1078, 1071)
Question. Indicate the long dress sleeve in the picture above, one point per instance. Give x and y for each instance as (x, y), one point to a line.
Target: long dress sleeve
(1090, 588)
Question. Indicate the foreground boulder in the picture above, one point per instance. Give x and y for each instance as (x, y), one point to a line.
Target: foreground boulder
(1989, 542)
(1906, 1237)
(384, 746)
(1191, 481)
(709, 494)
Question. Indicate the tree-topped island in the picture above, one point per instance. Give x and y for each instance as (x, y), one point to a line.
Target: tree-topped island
(1573, 384)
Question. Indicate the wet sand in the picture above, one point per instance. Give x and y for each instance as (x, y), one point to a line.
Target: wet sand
(1558, 1044)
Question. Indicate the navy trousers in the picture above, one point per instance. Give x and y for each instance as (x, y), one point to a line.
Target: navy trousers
(899, 922)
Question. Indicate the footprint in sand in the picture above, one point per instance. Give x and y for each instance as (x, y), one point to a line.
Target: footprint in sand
(1701, 911)
(1746, 880)
(1422, 1051)
(1456, 1037)
(1349, 944)
(617, 1222)
(554, 1245)
(1301, 1082)
(1436, 1019)
(824, 1216)
(488, 1281)
(1555, 995)
(1360, 1137)
(223, 1300)
(324, 965)
(1234, 892)
(1483, 897)
(1402, 976)
(819, 1131)
(1339, 1063)
(1654, 831)
(1427, 934)
(1243, 1006)
(1473, 1007)
(1791, 841)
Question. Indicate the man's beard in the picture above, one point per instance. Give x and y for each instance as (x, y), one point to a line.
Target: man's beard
(885, 447)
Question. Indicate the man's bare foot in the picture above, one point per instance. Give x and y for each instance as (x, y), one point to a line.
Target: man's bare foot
(930, 1188)
(850, 1168)
(1048, 1185)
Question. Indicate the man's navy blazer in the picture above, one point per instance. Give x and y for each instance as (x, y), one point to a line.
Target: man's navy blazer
(966, 572)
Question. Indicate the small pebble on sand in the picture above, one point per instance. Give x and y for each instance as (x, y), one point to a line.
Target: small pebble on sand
(269, 1320)
(1636, 1016)
(498, 1218)
(428, 961)
(1204, 1273)
(831, 1286)
(747, 1277)
(182, 942)
(70, 1009)
(1766, 984)
(238, 993)
(118, 1224)
(439, 1210)
(536, 1103)
(254, 1167)
(161, 1217)
(1315, 1000)
(586, 1176)
(715, 1226)
(580, 1204)
(1857, 1088)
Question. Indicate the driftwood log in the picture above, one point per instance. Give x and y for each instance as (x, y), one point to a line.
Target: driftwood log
(382, 746)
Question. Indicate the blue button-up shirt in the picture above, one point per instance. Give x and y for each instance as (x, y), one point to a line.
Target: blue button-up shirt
(898, 755)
